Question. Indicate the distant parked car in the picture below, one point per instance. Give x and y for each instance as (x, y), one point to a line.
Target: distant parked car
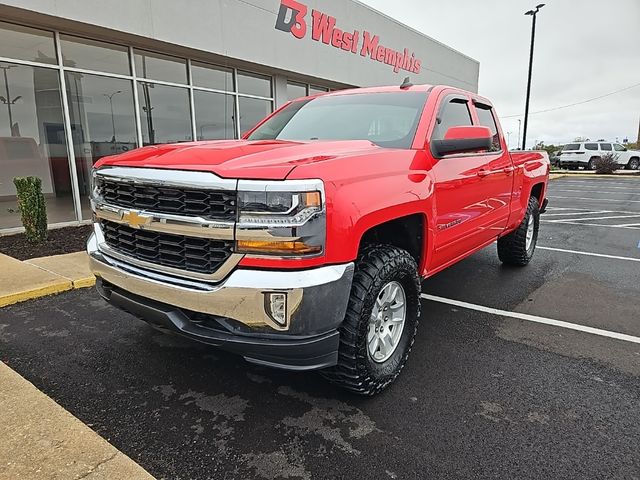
(585, 154)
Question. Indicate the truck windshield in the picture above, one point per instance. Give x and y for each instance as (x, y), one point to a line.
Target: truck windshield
(389, 120)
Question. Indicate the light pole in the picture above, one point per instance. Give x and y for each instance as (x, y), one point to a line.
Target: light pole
(508, 140)
(113, 121)
(534, 14)
(519, 130)
(8, 101)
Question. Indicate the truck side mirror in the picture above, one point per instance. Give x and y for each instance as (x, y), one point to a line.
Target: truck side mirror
(463, 140)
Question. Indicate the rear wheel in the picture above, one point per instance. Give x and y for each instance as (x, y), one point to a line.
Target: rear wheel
(633, 164)
(381, 321)
(518, 247)
(592, 163)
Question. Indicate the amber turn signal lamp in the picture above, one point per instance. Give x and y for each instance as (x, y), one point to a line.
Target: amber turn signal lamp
(283, 248)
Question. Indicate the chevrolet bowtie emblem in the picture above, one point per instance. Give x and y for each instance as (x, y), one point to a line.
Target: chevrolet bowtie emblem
(135, 219)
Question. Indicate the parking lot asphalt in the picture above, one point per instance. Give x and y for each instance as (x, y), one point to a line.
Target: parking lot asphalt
(484, 394)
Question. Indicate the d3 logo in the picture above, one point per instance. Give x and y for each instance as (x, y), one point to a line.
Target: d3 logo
(296, 24)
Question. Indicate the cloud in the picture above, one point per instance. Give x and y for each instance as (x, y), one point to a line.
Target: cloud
(583, 50)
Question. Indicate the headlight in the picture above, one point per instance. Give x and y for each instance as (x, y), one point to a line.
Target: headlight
(281, 218)
(278, 207)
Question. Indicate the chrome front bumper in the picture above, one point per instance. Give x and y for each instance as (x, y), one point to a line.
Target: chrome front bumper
(316, 298)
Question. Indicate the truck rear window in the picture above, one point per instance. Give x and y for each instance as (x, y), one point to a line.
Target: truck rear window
(571, 146)
(386, 119)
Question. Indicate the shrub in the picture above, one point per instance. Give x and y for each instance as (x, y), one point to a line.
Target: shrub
(606, 164)
(33, 210)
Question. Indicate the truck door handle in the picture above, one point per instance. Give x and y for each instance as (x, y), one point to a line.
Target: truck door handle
(483, 172)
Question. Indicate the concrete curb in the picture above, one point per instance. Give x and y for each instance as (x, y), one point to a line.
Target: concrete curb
(595, 175)
(40, 277)
(41, 440)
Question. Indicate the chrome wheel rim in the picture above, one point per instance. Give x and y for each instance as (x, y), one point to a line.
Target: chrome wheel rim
(530, 229)
(387, 322)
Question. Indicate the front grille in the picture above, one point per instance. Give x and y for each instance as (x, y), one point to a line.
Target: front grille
(210, 204)
(201, 255)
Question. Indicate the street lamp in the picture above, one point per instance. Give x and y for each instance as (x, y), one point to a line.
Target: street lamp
(113, 121)
(534, 14)
(8, 101)
(519, 130)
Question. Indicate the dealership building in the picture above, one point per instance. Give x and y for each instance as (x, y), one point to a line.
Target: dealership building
(80, 80)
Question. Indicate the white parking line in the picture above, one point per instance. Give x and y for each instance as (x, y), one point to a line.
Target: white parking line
(593, 191)
(607, 185)
(597, 199)
(533, 318)
(591, 254)
(592, 218)
(568, 208)
(589, 224)
(626, 184)
(577, 213)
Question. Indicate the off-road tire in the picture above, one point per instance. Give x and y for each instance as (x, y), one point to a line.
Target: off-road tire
(377, 265)
(512, 248)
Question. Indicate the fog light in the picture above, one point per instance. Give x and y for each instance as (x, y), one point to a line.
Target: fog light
(275, 305)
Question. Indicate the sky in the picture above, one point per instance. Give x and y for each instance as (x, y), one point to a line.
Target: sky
(584, 49)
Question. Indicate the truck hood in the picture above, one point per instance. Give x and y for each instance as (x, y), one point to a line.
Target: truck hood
(269, 160)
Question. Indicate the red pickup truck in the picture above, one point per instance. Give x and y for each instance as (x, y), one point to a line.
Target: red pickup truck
(303, 245)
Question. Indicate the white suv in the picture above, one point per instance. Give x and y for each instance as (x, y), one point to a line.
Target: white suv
(584, 154)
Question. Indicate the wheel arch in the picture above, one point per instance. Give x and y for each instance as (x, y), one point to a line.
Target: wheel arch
(408, 232)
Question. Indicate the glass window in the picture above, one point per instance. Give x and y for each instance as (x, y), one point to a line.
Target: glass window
(605, 146)
(25, 43)
(313, 90)
(454, 114)
(33, 141)
(590, 146)
(388, 120)
(571, 146)
(254, 84)
(208, 76)
(165, 114)
(253, 111)
(102, 121)
(94, 55)
(215, 115)
(485, 115)
(296, 90)
(619, 148)
(156, 66)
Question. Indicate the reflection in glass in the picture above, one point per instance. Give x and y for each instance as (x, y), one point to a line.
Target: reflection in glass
(94, 55)
(209, 76)
(165, 114)
(25, 43)
(254, 84)
(102, 121)
(33, 141)
(296, 90)
(252, 111)
(215, 114)
(156, 66)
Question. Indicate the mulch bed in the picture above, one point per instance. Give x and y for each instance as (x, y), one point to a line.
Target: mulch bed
(59, 241)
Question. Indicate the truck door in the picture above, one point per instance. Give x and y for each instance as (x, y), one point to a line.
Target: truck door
(497, 175)
(462, 220)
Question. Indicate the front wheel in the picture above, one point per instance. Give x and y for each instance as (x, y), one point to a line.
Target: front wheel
(633, 164)
(518, 247)
(381, 321)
